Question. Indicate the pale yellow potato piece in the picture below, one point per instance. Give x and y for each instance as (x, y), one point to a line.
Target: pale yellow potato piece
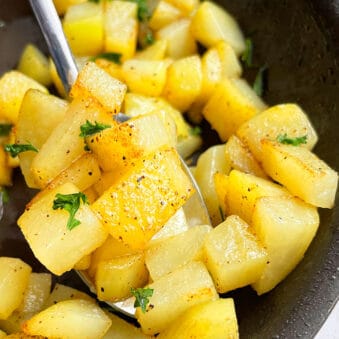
(301, 172)
(84, 263)
(2, 334)
(69, 319)
(187, 6)
(159, 188)
(213, 319)
(147, 77)
(35, 65)
(39, 114)
(13, 86)
(232, 103)
(62, 5)
(166, 255)
(286, 227)
(115, 277)
(213, 160)
(13, 323)
(187, 146)
(287, 119)
(84, 29)
(56, 79)
(164, 14)
(14, 280)
(5, 169)
(156, 51)
(173, 294)
(241, 159)
(95, 83)
(243, 190)
(233, 255)
(45, 229)
(112, 68)
(211, 23)
(64, 145)
(180, 41)
(121, 28)
(220, 184)
(184, 81)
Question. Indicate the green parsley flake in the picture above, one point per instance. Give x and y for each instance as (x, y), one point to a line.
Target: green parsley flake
(142, 296)
(4, 195)
(70, 203)
(15, 149)
(88, 128)
(149, 38)
(196, 130)
(143, 11)
(284, 139)
(247, 56)
(113, 57)
(258, 85)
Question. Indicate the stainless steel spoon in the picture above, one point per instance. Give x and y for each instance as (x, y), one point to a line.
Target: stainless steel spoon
(48, 19)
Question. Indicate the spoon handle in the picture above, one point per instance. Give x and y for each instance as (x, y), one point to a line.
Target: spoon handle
(51, 28)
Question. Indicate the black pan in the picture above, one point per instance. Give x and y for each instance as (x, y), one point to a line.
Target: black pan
(298, 41)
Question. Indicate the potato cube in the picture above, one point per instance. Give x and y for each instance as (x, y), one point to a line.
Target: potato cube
(121, 28)
(187, 6)
(115, 277)
(173, 294)
(187, 146)
(62, 5)
(241, 159)
(84, 28)
(112, 68)
(56, 80)
(5, 169)
(184, 81)
(211, 161)
(14, 280)
(301, 172)
(156, 51)
(234, 257)
(69, 319)
(180, 42)
(278, 120)
(211, 23)
(212, 319)
(286, 227)
(139, 203)
(13, 86)
(35, 65)
(232, 103)
(164, 14)
(96, 84)
(145, 77)
(40, 113)
(57, 247)
(244, 189)
(84, 263)
(166, 255)
(220, 184)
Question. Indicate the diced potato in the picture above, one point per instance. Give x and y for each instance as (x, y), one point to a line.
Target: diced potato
(232, 103)
(233, 255)
(184, 81)
(91, 194)
(96, 84)
(167, 255)
(62, 292)
(112, 68)
(64, 145)
(173, 294)
(243, 190)
(278, 120)
(14, 322)
(35, 65)
(119, 147)
(14, 280)
(187, 6)
(2, 334)
(84, 263)
(220, 185)
(146, 77)
(45, 229)
(37, 292)
(212, 319)
(180, 42)
(211, 161)
(56, 79)
(188, 145)
(286, 227)
(84, 28)
(62, 5)
(301, 172)
(156, 51)
(5, 169)
(69, 319)
(39, 114)
(121, 27)
(211, 23)
(13, 86)
(164, 14)
(115, 277)
(241, 158)
(159, 188)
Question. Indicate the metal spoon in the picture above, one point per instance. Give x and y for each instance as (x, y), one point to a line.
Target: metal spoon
(48, 19)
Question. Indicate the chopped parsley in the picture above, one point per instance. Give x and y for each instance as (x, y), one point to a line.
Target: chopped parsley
(222, 216)
(5, 129)
(196, 130)
(258, 85)
(143, 10)
(142, 296)
(15, 149)
(247, 57)
(113, 57)
(70, 203)
(88, 128)
(4, 195)
(149, 38)
(284, 139)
